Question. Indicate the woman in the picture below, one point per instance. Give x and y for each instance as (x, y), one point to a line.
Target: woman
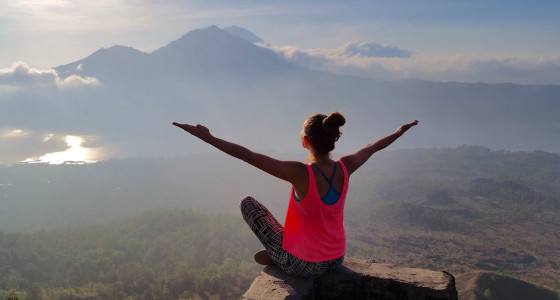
(313, 241)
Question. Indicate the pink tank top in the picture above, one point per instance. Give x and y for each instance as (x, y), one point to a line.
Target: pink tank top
(313, 231)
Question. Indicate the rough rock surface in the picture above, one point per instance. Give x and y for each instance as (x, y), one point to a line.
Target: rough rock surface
(356, 279)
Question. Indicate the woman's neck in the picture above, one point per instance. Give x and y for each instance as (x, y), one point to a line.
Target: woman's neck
(318, 159)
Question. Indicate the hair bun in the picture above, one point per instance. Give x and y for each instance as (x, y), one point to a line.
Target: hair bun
(332, 124)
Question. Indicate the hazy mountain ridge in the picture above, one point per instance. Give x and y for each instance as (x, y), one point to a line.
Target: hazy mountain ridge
(242, 91)
(122, 60)
(223, 68)
(199, 53)
(120, 188)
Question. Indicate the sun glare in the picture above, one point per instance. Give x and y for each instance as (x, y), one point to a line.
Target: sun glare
(75, 154)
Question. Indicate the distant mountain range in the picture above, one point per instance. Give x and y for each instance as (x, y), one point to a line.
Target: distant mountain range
(199, 53)
(249, 94)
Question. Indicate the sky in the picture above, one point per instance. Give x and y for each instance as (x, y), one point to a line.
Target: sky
(471, 41)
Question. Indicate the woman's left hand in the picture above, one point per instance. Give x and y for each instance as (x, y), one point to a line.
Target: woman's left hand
(406, 127)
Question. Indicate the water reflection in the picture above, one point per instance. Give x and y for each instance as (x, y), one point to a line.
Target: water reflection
(75, 154)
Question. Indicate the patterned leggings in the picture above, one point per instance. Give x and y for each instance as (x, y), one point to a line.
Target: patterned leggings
(270, 233)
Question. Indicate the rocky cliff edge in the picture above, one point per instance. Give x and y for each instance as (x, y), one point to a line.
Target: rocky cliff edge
(356, 279)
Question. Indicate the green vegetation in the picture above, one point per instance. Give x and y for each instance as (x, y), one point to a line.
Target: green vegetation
(164, 254)
(12, 296)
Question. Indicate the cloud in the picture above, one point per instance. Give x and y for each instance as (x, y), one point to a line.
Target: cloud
(48, 137)
(14, 133)
(21, 75)
(373, 60)
(77, 81)
(372, 49)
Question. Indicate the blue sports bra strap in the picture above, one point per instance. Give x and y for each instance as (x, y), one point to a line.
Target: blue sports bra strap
(324, 175)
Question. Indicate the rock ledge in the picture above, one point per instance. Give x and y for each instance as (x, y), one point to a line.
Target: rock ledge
(356, 279)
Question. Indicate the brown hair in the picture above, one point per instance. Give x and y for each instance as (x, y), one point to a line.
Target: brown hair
(323, 131)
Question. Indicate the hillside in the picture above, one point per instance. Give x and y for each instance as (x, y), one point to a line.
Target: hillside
(462, 210)
(169, 254)
(163, 254)
(50, 197)
(484, 285)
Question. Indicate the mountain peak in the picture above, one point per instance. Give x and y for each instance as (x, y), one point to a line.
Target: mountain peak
(104, 59)
(212, 49)
(244, 34)
(203, 37)
(114, 53)
(116, 48)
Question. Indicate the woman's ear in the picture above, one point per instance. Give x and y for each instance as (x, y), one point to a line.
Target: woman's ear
(305, 142)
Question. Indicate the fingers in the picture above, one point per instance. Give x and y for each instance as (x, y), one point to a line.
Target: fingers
(415, 122)
(185, 127)
(182, 125)
(195, 130)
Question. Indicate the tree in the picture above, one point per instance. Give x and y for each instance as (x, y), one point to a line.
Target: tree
(12, 296)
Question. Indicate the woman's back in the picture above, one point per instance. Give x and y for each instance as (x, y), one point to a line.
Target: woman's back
(313, 230)
(325, 172)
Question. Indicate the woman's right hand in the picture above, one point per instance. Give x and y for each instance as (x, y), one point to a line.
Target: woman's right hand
(199, 131)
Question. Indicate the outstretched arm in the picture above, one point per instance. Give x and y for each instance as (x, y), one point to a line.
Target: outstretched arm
(356, 160)
(286, 170)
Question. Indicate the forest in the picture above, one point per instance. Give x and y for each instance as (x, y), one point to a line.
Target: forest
(163, 254)
(154, 229)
